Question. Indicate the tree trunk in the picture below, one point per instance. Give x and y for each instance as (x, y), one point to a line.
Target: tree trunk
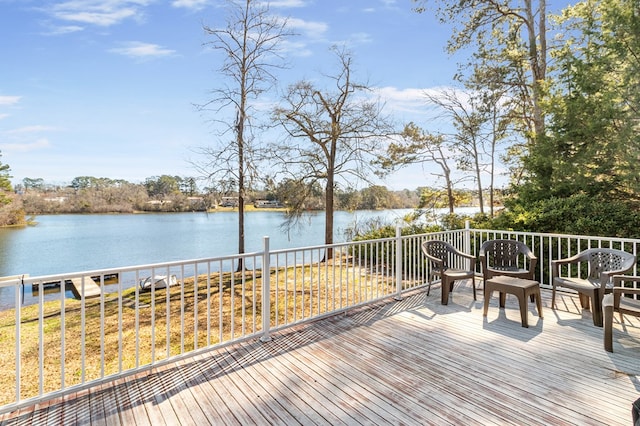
(480, 194)
(241, 191)
(328, 216)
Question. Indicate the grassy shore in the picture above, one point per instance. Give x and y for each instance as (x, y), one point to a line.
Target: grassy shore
(198, 313)
(248, 208)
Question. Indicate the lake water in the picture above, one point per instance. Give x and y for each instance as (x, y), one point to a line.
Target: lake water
(73, 243)
(76, 243)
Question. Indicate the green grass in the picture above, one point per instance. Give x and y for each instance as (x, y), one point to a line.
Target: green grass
(296, 293)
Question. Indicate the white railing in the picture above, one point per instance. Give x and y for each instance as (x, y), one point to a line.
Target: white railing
(548, 247)
(63, 340)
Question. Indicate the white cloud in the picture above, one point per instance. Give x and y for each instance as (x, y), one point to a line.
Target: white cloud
(287, 3)
(25, 147)
(312, 29)
(418, 96)
(30, 129)
(9, 100)
(67, 29)
(360, 38)
(140, 50)
(410, 102)
(411, 95)
(298, 49)
(190, 4)
(3, 116)
(103, 13)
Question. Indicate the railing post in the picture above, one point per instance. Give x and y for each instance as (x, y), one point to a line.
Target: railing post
(398, 263)
(266, 291)
(19, 338)
(467, 236)
(467, 240)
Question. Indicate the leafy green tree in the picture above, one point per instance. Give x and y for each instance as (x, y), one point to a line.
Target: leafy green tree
(437, 199)
(376, 197)
(594, 106)
(188, 186)
(298, 195)
(5, 182)
(5, 178)
(33, 183)
(348, 199)
(162, 186)
(11, 211)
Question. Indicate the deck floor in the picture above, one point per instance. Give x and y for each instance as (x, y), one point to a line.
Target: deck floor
(408, 362)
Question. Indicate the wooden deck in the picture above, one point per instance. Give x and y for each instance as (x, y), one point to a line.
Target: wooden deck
(408, 362)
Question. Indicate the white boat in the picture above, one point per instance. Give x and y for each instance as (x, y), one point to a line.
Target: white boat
(157, 281)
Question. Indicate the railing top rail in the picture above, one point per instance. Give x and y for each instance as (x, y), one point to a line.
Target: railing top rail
(12, 281)
(555, 235)
(156, 266)
(334, 245)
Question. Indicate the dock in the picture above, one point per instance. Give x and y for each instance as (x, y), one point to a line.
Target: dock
(91, 288)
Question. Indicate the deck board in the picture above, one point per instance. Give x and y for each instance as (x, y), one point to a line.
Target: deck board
(412, 361)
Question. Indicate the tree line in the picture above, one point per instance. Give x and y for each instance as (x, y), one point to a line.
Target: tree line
(88, 194)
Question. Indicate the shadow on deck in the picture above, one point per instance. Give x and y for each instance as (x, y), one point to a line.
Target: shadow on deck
(413, 361)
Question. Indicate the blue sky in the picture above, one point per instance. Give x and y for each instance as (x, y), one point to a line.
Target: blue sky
(107, 88)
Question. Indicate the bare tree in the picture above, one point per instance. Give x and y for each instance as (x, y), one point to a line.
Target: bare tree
(249, 44)
(418, 146)
(332, 135)
(467, 141)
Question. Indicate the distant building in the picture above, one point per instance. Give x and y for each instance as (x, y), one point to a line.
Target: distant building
(229, 202)
(56, 199)
(267, 204)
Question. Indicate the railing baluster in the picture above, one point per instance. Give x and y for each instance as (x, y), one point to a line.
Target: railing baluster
(195, 306)
(254, 298)
(181, 305)
(208, 281)
(167, 298)
(62, 334)
(276, 292)
(266, 290)
(102, 335)
(137, 315)
(83, 332)
(243, 297)
(398, 263)
(18, 312)
(153, 319)
(316, 284)
(302, 285)
(221, 301)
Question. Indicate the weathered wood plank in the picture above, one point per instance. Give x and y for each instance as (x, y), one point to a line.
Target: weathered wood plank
(91, 288)
(263, 398)
(205, 393)
(189, 407)
(413, 361)
(156, 385)
(290, 409)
